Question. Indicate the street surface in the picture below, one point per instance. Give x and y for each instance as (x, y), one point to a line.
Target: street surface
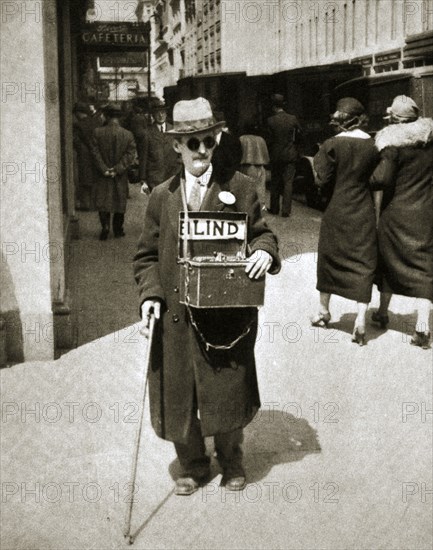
(339, 457)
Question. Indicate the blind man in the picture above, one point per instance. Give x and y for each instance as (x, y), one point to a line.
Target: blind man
(196, 392)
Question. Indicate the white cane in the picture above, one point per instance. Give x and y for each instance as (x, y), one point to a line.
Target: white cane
(127, 529)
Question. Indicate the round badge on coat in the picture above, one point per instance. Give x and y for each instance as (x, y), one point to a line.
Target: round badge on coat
(226, 197)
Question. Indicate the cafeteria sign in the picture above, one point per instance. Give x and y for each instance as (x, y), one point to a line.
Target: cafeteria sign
(116, 35)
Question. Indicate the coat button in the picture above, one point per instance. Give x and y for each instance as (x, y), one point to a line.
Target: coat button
(176, 289)
(175, 318)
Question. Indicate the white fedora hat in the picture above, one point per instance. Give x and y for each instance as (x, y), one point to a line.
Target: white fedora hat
(192, 116)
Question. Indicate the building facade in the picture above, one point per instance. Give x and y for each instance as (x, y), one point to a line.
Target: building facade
(47, 66)
(270, 36)
(37, 194)
(224, 49)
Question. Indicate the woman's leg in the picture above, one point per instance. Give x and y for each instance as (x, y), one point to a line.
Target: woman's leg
(385, 298)
(360, 319)
(324, 302)
(381, 315)
(323, 317)
(358, 335)
(423, 307)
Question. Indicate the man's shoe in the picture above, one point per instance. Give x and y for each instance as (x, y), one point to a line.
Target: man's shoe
(235, 483)
(285, 215)
(186, 486)
(234, 478)
(104, 234)
(119, 234)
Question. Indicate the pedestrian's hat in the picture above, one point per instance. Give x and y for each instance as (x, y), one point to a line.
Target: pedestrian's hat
(112, 110)
(194, 116)
(350, 106)
(81, 107)
(277, 100)
(349, 114)
(159, 106)
(403, 109)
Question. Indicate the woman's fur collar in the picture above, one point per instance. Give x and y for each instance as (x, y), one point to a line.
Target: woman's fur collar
(410, 134)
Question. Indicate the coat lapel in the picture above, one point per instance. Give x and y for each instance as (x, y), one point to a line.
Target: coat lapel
(174, 202)
(212, 202)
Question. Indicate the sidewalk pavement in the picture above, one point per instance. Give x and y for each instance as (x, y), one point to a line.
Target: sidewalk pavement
(339, 457)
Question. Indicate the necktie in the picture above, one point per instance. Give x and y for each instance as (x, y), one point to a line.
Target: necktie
(194, 201)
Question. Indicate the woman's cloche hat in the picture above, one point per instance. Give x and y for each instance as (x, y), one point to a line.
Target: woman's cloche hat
(349, 114)
(403, 109)
(192, 116)
(350, 106)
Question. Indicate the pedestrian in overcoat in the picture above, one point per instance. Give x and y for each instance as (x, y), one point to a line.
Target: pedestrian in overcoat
(113, 152)
(83, 127)
(405, 174)
(347, 251)
(157, 160)
(255, 158)
(283, 134)
(196, 392)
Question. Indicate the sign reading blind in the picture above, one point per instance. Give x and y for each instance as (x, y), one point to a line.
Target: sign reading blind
(209, 229)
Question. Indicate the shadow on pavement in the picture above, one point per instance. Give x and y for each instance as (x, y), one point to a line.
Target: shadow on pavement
(273, 437)
(398, 322)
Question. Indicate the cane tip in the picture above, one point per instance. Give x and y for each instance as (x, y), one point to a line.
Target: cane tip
(129, 539)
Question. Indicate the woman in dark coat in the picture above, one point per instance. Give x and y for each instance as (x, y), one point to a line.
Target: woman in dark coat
(347, 252)
(405, 231)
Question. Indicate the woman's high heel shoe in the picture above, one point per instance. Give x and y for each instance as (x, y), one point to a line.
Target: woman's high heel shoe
(321, 320)
(377, 317)
(421, 339)
(358, 336)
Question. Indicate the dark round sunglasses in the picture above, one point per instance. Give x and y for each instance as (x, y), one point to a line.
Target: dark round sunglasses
(193, 143)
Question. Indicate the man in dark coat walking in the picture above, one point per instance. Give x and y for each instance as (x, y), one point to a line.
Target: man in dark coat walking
(84, 125)
(197, 392)
(113, 152)
(157, 159)
(283, 131)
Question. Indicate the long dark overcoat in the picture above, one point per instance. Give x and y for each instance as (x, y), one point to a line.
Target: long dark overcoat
(83, 135)
(283, 129)
(158, 161)
(113, 147)
(405, 231)
(347, 251)
(222, 384)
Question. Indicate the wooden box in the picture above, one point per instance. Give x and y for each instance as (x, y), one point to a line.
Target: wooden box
(212, 254)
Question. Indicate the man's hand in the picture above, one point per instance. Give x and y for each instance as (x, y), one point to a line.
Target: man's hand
(149, 307)
(110, 173)
(258, 264)
(144, 189)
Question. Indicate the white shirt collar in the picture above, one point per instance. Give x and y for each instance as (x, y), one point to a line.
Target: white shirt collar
(204, 178)
(354, 134)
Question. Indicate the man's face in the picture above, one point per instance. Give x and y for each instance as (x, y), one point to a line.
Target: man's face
(196, 151)
(160, 116)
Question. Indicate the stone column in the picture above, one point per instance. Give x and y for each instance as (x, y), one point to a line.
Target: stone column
(31, 193)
